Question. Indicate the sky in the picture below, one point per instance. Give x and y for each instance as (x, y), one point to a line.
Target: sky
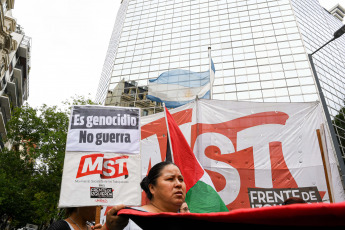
(70, 39)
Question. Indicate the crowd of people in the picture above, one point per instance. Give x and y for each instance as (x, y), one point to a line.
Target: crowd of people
(164, 187)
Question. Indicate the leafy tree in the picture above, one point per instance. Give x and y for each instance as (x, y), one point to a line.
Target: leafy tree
(31, 170)
(339, 126)
(15, 174)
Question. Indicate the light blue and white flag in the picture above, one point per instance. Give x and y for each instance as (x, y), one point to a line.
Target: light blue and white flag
(178, 87)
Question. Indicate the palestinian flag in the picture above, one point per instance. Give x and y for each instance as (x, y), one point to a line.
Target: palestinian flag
(201, 195)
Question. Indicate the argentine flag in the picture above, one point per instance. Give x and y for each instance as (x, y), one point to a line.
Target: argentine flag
(178, 87)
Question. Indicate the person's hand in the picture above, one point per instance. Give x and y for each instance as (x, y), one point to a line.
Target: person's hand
(96, 227)
(113, 221)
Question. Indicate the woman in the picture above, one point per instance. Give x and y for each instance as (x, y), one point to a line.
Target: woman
(184, 208)
(164, 187)
(79, 218)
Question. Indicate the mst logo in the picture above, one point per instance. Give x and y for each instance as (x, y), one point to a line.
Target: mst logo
(107, 168)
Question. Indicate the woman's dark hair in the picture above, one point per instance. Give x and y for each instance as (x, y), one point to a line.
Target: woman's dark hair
(151, 178)
(293, 200)
(69, 211)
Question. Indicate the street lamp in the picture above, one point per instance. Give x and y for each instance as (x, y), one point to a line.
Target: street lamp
(336, 35)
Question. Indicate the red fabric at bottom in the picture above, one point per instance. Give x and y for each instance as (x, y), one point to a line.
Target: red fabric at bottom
(296, 215)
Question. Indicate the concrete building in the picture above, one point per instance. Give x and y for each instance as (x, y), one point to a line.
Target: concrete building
(261, 51)
(129, 94)
(14, 65)
(337, 11)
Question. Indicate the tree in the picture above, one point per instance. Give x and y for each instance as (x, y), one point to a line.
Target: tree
(15, 174)
(339, 127)
(31, 171)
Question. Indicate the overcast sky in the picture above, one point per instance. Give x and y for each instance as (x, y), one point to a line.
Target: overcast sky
(69, 44)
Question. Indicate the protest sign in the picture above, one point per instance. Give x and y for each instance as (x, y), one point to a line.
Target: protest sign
(102, 163)
(104, 129)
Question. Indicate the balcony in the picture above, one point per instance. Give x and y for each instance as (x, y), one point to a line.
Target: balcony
(7, 44)
(3, 83)
(5, 114)
(17, 39)
(17, 73)
(9, 20)
(25, 50)
(12, 90)
(3, 131)
(5, 108)
(25, 90)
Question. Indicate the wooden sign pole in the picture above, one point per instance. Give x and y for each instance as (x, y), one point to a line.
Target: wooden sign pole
(98, 215)
(324, 165)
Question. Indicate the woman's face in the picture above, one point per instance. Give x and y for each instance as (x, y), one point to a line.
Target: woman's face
(170, 187)
(184, 208)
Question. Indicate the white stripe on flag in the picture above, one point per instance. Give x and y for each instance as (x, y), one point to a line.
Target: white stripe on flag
(173, 92)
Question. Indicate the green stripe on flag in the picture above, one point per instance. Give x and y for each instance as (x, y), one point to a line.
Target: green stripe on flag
(202, 198)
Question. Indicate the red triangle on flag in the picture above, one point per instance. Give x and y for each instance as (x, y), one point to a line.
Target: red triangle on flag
(183, 155)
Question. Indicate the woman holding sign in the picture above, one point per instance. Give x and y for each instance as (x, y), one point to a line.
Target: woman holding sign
(164, 187)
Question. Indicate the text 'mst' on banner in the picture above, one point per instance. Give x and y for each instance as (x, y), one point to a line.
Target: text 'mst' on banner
(103, 162)
(257, 154)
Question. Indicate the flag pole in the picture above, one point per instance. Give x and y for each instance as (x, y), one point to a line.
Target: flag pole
(210, 69)
(98, 214)
(168, 133)
(197, 126)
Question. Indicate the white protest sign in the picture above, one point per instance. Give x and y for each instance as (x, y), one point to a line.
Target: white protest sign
(102, 163)
(100, 179)
(105, 129)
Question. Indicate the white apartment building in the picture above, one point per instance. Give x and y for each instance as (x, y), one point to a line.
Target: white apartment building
(14, 65)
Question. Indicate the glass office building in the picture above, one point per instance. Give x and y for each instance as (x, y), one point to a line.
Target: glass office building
(259, 47)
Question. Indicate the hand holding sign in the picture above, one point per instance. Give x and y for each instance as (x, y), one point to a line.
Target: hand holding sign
(114, 221)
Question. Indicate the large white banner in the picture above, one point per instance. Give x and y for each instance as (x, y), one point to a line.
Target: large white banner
(257, 154)
(103, 161)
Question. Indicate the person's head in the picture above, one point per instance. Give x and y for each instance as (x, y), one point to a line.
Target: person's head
(85, 213)
(184, 208)
(294, 200)
(69, 211)
(165, 184)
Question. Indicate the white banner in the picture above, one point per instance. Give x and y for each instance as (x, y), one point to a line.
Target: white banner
(102, 161)
(257, 154)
